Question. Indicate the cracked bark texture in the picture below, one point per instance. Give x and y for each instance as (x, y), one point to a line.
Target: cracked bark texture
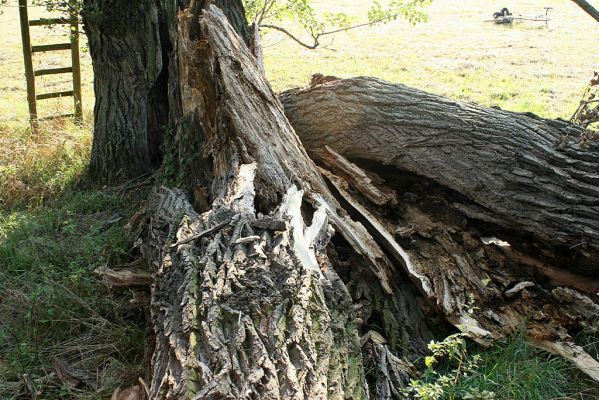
(517, 171)
(124, 43)
(246, 302)
(487, 291)
(281, 279)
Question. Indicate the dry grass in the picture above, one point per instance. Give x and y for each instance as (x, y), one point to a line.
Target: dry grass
(526, 67)
(36, 167)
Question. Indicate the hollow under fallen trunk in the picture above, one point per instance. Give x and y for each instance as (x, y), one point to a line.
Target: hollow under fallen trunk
(285, 280)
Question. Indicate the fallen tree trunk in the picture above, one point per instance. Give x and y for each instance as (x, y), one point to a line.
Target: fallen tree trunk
(517, 172)
(280, 279)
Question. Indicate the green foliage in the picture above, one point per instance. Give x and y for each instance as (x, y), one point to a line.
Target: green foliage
(509, 370)
(51, 305)
(266, 12)
(435, 385)
(69, 6)
(411, 10)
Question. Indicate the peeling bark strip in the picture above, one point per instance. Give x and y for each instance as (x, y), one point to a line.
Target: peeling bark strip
(520, 172)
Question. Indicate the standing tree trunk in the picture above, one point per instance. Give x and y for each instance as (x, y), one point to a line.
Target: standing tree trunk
(131, 45)
(280, 279)
(126, 52)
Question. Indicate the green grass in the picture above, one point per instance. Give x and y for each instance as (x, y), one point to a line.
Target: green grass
(51, 305)
(512, 370)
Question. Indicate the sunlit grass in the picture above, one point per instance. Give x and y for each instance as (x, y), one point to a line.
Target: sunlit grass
(527, 67)
(35, 167)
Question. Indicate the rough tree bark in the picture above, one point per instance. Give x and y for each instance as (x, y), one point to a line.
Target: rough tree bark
(124, 43)
(246, 302)
(131, 45)
(284, 280)
(516, 172)
(278, 278)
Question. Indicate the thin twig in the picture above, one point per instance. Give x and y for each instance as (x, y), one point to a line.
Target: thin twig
(316, 37)
(202, 234)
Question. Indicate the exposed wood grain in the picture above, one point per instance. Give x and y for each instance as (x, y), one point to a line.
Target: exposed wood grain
(519, 171)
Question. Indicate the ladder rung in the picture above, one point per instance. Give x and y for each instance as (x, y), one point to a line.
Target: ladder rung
(51, 117)
(54, 95)
(49, 21)
(50, 47)
(52, 71)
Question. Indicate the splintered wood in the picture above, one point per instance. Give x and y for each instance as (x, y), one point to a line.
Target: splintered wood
(294, 278)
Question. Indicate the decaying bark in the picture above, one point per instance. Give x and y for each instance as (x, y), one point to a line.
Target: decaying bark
(518, 172)
(281, 279)
(246, 302)
(463, 174)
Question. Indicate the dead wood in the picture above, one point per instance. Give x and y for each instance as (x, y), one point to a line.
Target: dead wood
(291, 280)
(255, 308)
(518, 172)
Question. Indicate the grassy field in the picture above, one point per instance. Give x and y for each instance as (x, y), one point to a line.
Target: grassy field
(54, 231)
(526, 67)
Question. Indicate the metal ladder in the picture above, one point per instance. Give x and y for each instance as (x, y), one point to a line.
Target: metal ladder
(31, 74)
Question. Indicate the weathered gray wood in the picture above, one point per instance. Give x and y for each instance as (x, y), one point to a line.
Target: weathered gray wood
(29, 76)
(519, 172)
(271, 288)
(475, 286)
(75, 61)
(241, 310)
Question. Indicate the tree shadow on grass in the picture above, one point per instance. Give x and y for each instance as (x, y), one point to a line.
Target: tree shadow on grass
(51, 304)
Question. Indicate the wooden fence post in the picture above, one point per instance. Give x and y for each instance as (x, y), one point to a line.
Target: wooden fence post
(76, 64)
(26, 39)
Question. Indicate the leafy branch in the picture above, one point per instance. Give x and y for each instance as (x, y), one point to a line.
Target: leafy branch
(266, 14)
